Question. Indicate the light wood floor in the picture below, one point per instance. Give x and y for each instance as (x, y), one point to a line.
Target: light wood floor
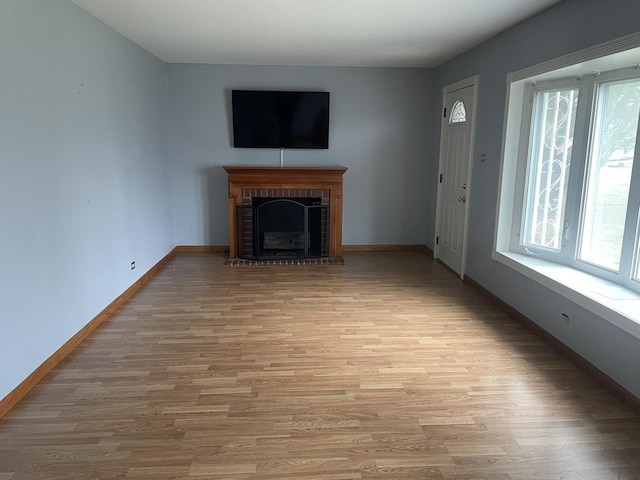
(388, 367)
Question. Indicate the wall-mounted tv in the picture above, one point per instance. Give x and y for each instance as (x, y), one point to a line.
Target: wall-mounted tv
(279, 119)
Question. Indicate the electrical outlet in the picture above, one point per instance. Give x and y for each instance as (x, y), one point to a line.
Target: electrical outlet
(133, 265)
(565, 318)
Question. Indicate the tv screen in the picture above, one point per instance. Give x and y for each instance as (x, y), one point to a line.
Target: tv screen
(272, 119)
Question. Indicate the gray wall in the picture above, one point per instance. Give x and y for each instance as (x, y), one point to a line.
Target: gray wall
(83, 178)
(379, 129)
(570, 26)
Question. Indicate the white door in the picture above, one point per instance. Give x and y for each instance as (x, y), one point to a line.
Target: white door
(456, 150)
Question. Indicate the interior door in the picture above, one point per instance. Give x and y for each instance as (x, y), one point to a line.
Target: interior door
(456, 150)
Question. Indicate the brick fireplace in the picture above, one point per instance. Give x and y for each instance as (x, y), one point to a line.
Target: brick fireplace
(318, 190)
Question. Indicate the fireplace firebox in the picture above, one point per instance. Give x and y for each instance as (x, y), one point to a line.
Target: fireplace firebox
(287, 228)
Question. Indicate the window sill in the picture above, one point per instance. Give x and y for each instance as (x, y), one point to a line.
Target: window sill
(614, 303)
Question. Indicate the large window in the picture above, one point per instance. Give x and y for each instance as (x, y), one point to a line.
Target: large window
(576, 173)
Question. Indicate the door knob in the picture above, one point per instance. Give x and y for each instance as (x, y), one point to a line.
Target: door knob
(462, 199)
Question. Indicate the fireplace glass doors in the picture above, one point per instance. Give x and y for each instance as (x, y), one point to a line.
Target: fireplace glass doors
(284, 228)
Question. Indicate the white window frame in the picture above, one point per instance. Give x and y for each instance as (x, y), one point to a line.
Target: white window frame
(517, 244)
(587, 285)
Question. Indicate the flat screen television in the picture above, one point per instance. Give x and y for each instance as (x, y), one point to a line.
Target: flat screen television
(279, 119)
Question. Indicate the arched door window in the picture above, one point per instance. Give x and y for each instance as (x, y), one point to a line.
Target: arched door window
(458, 113)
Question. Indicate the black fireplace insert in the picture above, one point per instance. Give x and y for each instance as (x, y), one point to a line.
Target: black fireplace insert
(284, 228)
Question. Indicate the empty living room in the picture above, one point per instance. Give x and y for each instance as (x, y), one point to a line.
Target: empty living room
(315, 240)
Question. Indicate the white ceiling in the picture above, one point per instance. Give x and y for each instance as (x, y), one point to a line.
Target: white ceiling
(377, 33)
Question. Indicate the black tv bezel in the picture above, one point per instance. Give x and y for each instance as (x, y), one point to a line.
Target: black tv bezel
(273, 93)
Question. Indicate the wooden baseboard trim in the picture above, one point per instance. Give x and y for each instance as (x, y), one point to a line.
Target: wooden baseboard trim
(386, 248)
(345, 248)
(201, 249)
(11, 400)
(613, 387)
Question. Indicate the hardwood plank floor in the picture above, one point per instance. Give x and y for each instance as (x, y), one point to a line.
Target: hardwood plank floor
(388, 367)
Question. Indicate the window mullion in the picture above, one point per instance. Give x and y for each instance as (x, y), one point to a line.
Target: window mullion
(563, 249)
(575, 194)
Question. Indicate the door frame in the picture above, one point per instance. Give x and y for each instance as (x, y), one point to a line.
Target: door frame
(474, 82)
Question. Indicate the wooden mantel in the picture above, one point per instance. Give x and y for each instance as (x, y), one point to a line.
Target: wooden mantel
(243, 179)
